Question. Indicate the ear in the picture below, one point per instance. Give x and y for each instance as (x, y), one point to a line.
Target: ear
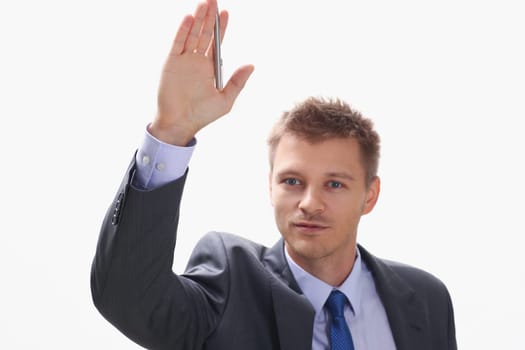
(372, 195)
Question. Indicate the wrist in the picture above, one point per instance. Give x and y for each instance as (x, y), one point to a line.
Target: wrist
(173, 135)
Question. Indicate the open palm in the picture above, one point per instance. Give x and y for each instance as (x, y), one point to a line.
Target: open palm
(187, 98)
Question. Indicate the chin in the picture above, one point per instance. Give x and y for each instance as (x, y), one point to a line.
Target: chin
(307, 250)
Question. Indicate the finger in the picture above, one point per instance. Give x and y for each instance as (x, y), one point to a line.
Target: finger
(207, 28)
(193, 38)
(223, 25)
(224, 17)
(182, 34)
(237, 82)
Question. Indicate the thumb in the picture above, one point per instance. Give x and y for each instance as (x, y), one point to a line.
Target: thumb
(237, 81)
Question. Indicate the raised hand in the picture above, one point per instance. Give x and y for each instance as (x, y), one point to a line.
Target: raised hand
(187, 97)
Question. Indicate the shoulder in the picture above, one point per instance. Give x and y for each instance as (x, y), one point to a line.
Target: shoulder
(394, 272)
(228, 246)
(229, 242)
(411, 293)
(229, 260)
(416, 277)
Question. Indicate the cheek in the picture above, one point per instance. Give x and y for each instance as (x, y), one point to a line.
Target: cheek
(282, 204)
(275, 194)
(278, 206)
(280, 215)
(278, 196)
(347, 212)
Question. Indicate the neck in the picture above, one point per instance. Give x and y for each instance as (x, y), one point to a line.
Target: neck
(330, 269)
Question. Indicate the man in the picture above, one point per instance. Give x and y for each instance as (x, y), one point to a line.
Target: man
(314, 289)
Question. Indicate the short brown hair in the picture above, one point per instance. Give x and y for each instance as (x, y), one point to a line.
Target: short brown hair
(318, 119)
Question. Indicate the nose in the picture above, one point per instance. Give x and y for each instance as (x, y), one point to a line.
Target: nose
(311, 202)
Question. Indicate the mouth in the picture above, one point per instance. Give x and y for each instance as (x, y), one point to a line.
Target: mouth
(309, 227)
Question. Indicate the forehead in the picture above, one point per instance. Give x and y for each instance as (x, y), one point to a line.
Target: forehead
(295, 153)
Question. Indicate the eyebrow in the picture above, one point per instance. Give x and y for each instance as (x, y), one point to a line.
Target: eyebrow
(287, 172)
(340, 175)
(336, 174)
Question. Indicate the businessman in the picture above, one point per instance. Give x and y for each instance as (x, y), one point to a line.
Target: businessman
(316, 288)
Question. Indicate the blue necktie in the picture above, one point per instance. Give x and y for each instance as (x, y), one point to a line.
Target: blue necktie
(340, 336)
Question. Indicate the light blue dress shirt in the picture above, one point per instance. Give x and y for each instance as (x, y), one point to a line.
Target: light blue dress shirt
(366, 316)
(159, 163)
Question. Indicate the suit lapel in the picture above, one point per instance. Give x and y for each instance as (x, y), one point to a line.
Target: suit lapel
(406, 313)
(293, 312)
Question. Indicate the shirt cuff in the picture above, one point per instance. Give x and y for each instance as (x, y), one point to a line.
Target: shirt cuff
(158, 163)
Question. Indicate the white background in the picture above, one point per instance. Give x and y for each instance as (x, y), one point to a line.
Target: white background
(443, 81)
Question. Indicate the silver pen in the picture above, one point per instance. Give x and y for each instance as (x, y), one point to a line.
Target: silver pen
(217, 59)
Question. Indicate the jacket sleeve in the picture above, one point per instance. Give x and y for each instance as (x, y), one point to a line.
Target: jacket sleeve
(132, 281)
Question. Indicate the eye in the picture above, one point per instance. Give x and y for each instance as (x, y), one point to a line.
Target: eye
(291, 181)
(335, 184)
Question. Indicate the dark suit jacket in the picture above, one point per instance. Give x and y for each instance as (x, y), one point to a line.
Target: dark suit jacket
(235, 294)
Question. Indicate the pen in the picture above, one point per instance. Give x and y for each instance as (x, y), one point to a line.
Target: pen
(217, 52)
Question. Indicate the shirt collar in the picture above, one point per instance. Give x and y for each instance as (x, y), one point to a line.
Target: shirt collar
(317, 291)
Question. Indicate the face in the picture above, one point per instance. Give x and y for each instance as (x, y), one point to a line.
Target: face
(319, 193)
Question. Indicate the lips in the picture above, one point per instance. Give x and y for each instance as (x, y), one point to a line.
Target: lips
(308, 225)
